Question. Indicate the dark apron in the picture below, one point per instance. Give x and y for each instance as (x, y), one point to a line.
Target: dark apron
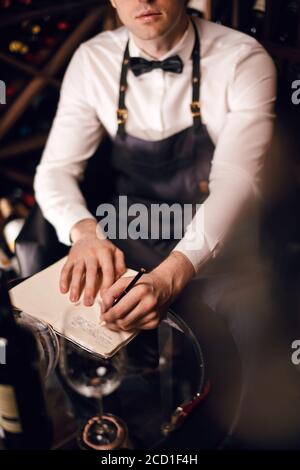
(174, 170)
(171, 170)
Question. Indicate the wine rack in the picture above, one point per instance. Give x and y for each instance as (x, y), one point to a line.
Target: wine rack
(276, 25)
(238, 14)
(38, 40)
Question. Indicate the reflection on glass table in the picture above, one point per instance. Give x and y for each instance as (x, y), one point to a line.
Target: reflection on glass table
(142, 385)
(47, 342)
(94, 377)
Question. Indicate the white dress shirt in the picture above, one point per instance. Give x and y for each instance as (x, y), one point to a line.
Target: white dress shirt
(238, 91)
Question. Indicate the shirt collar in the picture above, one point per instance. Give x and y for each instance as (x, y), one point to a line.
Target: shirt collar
(183, 48)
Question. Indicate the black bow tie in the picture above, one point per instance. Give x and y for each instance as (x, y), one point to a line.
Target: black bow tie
(140, 66)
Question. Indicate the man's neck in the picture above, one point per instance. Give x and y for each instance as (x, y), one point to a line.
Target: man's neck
(158, 47)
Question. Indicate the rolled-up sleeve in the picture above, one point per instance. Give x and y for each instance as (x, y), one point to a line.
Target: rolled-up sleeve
(74, 137)
(238, 158)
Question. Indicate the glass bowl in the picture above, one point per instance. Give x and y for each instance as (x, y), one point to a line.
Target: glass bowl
(47, 342)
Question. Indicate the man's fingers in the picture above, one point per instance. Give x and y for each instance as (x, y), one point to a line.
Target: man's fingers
(120, 265)
(76, 284)
(140, 319)
(148, 322)
(65, 277)
(134, 316)
(121, 309)
(151, 325)
(126, 304)
(108, 295)
(146, 319)
(106, 262)
(90, 281)
(113, 326)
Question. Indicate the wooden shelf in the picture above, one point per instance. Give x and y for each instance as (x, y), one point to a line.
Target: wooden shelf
(23, 146)
(278, 51)
(50, 70)
(291, 54)
(29, 69)
(17, 177)
(41, 78)
(15, 18)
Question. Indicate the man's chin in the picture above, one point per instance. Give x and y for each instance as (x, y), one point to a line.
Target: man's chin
(146, 33)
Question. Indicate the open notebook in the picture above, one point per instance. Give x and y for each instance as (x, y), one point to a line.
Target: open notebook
(39, 296)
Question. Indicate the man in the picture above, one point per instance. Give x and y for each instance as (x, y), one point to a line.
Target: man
(194, 121)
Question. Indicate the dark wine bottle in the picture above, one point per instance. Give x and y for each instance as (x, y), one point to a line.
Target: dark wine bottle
(257, 19)
(222, 12)
(288, 25)
(23, 415)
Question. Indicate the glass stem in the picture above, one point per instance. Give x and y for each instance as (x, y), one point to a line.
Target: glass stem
(100, 406)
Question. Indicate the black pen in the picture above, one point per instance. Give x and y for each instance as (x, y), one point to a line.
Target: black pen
(130, 286)
(127, 289)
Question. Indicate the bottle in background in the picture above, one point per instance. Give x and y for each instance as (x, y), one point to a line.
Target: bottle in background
(258, 16)
(287, 29)
(222, 11)
(24, 420)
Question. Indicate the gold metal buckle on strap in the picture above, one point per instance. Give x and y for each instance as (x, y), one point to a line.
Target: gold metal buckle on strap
(195, 108)
(122, 115)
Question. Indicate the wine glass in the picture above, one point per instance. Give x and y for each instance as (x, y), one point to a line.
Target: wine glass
(47, 342)
(93, 376)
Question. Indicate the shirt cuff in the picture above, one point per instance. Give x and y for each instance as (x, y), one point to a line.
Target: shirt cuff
(68, 220)
(196, 245)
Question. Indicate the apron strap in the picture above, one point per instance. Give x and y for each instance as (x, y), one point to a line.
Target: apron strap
(122, 112)
(196, 81)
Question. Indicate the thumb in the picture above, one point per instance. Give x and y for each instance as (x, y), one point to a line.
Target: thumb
(109, 295)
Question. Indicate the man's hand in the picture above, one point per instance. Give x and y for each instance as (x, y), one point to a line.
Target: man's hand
(147, 302)
(93, 263)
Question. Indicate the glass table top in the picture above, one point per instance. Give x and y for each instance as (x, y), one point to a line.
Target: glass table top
(164, 368)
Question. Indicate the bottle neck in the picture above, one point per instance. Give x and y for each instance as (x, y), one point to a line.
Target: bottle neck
(260, 6)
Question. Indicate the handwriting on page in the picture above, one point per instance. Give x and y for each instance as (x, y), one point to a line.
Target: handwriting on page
(93, 330)
(56, 309)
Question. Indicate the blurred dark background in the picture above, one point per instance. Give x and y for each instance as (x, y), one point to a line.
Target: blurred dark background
(37, 40)
(38, 37)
